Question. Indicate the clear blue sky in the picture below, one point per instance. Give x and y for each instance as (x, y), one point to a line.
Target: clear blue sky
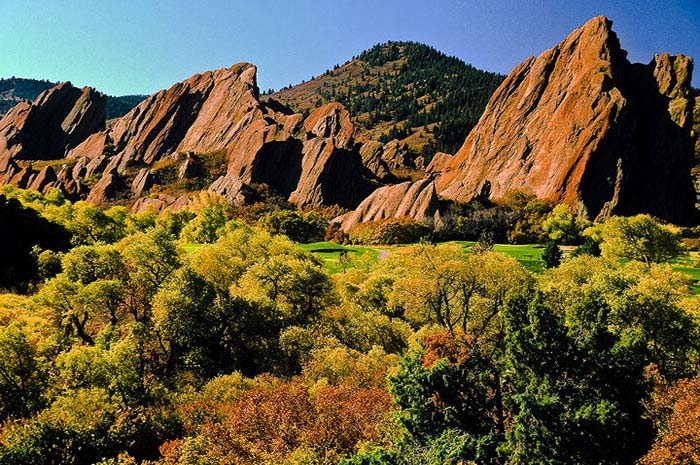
(129, 46)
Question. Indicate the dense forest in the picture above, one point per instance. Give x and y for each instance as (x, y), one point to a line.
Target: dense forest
(208, 336)
(13, 90)
(395, 89)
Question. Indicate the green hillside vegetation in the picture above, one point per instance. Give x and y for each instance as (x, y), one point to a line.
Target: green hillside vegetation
(403, 90)
(119, 106)
(203, 337)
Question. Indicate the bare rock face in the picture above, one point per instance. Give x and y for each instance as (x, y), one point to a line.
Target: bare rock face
(396, 155)
(267, 150)
(371, 154)
(48, 128)
(696, 133)
(331, 171)
(45, 177)
(232, 189)
(581, 125)
(159, 203)
(329, 176)
(312, 161)
(416, 200)
(106, 188)
(197, 115)
(142, 182)
(385, 160)
(332, 121)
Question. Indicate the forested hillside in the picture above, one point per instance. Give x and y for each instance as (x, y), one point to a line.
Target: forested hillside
(403, 90)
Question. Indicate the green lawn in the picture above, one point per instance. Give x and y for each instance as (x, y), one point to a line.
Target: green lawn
(529, 255)
(330, 253)
(690, 266)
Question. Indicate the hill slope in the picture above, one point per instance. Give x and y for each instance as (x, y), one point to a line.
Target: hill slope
(14, 90)
(396, 86)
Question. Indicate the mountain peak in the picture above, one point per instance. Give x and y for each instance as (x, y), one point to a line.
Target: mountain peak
(402, 90)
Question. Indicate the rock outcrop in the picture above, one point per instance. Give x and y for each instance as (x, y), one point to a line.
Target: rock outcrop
(385, 161)
(696, 133)
(48, 128)
(581, 125)
(331, 170)
(312, 161)
(200, 114)
(416, 200)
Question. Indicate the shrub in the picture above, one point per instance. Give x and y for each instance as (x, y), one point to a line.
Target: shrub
(299, 227)
(589, 247)
(389, 231)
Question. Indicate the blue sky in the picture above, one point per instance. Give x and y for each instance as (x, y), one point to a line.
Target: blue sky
(129, 46)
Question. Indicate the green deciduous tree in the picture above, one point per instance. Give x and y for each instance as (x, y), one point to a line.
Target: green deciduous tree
(206, 227)
(563, 227)
(299, 227)
(149, 259)
(639, 238)
(23, 374)
(443, 285)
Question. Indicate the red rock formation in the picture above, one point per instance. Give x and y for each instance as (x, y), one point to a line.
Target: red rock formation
(329, 176)
(314, 167)
(383, 160)
(45, 177)
(331, 120)
(331, 171)
(417, 200)
(160, 203)
(581, 125)
(312, 161)
(106, 188)
(48, 128)
(200, 114)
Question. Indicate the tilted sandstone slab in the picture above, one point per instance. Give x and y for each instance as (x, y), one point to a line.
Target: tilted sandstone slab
(581, 125)
(200, 114)
(312, 161)
(417, 200)
(58, 120)
(384, 160)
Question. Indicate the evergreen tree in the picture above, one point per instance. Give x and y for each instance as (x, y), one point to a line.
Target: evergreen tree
(552, 255)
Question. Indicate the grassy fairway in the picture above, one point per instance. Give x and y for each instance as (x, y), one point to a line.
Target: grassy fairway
(529, 255)
(689, 265)
(331, 253)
